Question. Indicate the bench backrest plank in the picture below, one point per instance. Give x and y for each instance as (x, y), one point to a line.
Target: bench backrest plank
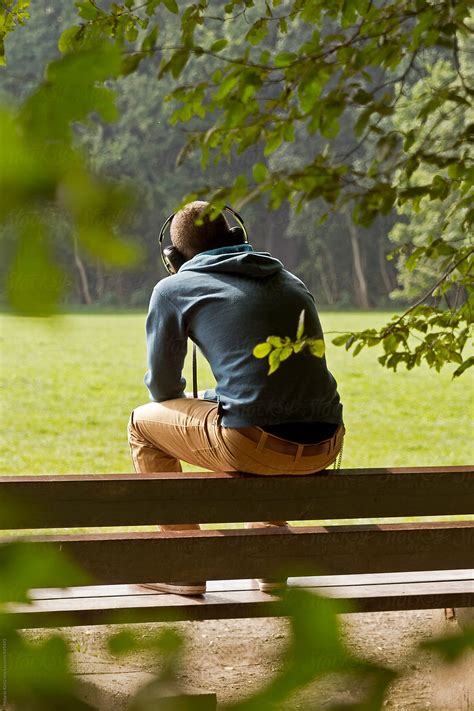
(130, 499)
(148, 557)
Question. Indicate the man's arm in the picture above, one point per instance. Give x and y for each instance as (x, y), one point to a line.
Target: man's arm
(166, 347)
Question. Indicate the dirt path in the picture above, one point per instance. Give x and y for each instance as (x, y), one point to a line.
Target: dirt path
(235, 657)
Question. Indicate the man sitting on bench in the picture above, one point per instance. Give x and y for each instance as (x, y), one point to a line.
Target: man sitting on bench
(227, 298)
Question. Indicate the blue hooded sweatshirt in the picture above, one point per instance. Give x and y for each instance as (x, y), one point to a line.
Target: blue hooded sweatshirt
(226, 301)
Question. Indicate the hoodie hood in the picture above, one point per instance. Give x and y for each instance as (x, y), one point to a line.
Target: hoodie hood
(234, 261)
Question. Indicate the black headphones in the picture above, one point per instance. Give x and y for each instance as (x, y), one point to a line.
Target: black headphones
(172, 257)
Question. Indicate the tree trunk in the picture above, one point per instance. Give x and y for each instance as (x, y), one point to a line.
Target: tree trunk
(86, 295)
(331, 276)
(360, 280)
(383, 269)
(325, 286)
(100, 281)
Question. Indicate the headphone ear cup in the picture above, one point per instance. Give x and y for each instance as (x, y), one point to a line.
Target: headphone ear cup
(173, 259)
(238, 235)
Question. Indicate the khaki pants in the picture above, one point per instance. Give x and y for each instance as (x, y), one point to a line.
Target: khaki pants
(161, 434)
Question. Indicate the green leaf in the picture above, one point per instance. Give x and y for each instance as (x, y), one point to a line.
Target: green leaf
(69, 38)
(34, 565)
(284, 59)
(273, 141)
(286, 352)
(310, 87)
(468, 219)
(226, 87)
(274, 360)
(328, 126)
(411, 165)
(257, 32)
(150, 40)
(341, 340)
(349, 12)
(462, 368)
(87, 10)
(409, 140)
(440, 188)
(452, 647)
(176, 63)
(412, 261)
(260, 172)
(276, 341)
(172, 6)
(316, 347)
(288, 132)
(101, 242)
(130, 63)
(261, 350)
(122, 642)
(350, 341)
(35, 283)
(300, 329)
(363, 119)
(362, 97)
(219, 45)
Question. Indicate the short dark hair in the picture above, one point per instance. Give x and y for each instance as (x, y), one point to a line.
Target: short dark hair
(191, 238)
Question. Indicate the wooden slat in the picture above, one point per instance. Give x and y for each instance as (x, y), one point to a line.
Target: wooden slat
(160, 607)
(148, 557)
(130, 499)
(327, 581)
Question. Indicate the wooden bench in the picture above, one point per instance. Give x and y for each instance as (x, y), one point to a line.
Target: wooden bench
(393, 566)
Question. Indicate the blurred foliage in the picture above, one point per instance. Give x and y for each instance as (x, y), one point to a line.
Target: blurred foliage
(35, 675)
(24, 566)
(451, 648)
(44, 177)
(315, 650)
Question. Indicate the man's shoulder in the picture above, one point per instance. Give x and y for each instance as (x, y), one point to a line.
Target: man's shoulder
(168, 286)
(172, 289)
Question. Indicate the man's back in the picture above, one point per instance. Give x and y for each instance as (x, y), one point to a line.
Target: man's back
(227, 301)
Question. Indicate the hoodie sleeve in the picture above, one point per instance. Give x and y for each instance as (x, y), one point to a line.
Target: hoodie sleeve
(166, 348)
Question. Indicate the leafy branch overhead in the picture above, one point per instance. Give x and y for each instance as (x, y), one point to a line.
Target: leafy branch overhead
(354, 84)
(302, 71)
(12, 14)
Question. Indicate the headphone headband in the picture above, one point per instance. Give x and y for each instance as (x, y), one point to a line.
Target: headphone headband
(167, 222)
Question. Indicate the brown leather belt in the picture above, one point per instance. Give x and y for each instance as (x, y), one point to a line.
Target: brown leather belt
(284, 446)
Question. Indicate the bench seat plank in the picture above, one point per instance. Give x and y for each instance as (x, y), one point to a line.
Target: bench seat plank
(243, 599)
(253, 553)
(326, 581)
(69, 501)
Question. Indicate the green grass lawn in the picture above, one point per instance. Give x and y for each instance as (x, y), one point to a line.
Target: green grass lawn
(69, 385)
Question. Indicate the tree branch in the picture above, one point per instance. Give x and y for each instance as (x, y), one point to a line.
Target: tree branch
(428, 293)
